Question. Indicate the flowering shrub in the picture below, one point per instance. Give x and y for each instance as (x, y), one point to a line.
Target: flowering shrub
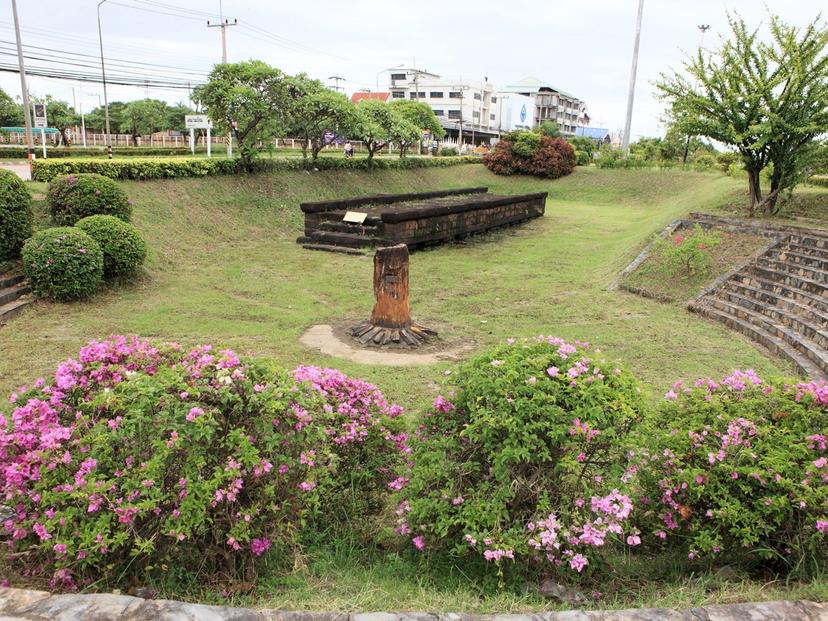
(738, 468)
(15, 214)
(63, 263)
(76, 196)
(524, 460)
(137, 457)
(124, 250)
(689, 255)
(531, 153)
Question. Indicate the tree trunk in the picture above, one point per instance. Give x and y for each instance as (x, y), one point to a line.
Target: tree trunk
(391, 318)
(755, 190)
(391, 309)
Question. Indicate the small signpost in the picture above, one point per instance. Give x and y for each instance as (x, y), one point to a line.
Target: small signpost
(355, 217)
(41, 123)
(198, 121)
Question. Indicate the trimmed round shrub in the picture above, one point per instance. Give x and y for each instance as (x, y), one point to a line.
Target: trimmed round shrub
(531, 153)
(136, 457)
(76, 196)
(737, 471)
(63, 263)
(124, 250)
(15, 214)
(524, 462)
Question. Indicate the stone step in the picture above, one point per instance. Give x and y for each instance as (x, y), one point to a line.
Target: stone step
(818, 316)
(11, 309)
(11, 278)
(339, 249)
(811, 241)
(812, 330)
(790, 254)
(810, 250)
(776, 345)
(784, 290)
(347, 239)
(795, 276)
(798, 341)
(9, 294)
(346, 227)
(806, 271)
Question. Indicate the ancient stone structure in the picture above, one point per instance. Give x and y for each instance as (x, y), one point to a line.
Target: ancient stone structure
(778, 298)
(413, 219)
(15, 292)
(390, 321)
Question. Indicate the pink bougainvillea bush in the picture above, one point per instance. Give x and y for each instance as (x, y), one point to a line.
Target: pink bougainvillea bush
(737, 469)
(137, 457)
(524, 461)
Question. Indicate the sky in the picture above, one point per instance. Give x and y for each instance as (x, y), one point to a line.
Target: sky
(580, 46)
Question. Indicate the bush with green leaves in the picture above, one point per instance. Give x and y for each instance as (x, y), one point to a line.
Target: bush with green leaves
(736, 471)
(124, 250)
(524, 460)
(689, 255)
(76, 196)
(15, 214)
(63, 263)
(139, 457)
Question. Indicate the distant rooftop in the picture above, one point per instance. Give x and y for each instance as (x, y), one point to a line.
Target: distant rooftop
(379, 96)
(596, 133)
(533, 85)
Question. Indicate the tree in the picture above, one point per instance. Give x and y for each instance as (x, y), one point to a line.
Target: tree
(415, 113)
(144, 116)
(253, 98)
(96, 120)
(404, 131)
(11, 113)
(319, 114)
(61, 116)
(767, 100)
(373, 125)
(549, 128)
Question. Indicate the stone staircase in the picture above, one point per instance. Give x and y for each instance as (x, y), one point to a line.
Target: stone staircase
(779, 298)
(15, 292)
(345, 237)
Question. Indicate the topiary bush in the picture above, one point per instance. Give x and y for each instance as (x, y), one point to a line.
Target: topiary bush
(76, 196)
(124, 250)
(531, 153)
(135, 458)
(63, 263)
(524, 462)
(15, 214)
(737, 471)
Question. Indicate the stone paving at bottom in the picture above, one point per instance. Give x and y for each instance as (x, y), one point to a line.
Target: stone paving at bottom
(20, 604)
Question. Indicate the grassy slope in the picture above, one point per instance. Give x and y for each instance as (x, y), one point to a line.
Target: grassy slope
(225, 269)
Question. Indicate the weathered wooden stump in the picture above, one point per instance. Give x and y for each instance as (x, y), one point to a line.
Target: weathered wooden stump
(391, 318)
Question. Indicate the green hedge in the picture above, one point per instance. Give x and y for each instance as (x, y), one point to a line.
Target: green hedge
(821, 180)
(62, 152)
(163, 168)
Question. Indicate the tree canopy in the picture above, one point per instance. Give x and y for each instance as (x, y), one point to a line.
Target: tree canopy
(767, 99)
(319, 115)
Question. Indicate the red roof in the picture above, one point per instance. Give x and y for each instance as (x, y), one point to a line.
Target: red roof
(360, 96)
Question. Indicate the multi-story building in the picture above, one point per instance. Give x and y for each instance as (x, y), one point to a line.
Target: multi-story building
(476, 111)
(552, 104)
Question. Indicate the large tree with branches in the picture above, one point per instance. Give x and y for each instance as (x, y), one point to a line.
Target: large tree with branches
(767, 99)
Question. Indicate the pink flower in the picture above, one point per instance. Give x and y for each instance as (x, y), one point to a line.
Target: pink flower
(578, 562)
(307, 486)
(497, 363)
(633, 540)
(822, 526)
(259, 546)
(670, 395)
(553, 371)
(418, 542)
(194, 413)
(820, 463)
(60, 548)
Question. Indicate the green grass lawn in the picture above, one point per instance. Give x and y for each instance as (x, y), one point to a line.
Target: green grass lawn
(225, 269)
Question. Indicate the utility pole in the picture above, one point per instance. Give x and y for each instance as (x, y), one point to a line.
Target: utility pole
(625, 142)
(224, 24)
(26, 112)
(107, 138)
(337, 79)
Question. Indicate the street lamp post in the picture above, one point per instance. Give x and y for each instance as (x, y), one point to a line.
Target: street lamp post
(625, 142)
(107, 139)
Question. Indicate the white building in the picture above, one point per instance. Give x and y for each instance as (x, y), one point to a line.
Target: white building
(476, 111)
(551, 104)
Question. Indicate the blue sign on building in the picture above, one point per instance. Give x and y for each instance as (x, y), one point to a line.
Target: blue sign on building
(523, 114)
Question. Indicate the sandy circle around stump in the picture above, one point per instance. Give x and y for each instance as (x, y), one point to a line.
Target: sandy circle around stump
(336, 343)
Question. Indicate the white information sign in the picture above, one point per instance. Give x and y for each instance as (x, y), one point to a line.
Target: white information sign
(197, 121)
(40, 116)
(355, 217)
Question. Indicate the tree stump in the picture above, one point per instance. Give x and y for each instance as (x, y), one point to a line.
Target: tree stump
(391, 318)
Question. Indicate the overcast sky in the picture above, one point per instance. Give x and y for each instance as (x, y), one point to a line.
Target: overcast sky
(580, 46)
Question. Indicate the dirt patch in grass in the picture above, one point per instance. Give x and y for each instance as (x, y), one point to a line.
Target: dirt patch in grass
(654, 278)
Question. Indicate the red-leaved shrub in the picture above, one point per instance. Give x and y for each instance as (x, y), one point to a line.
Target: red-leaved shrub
(548, 157)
